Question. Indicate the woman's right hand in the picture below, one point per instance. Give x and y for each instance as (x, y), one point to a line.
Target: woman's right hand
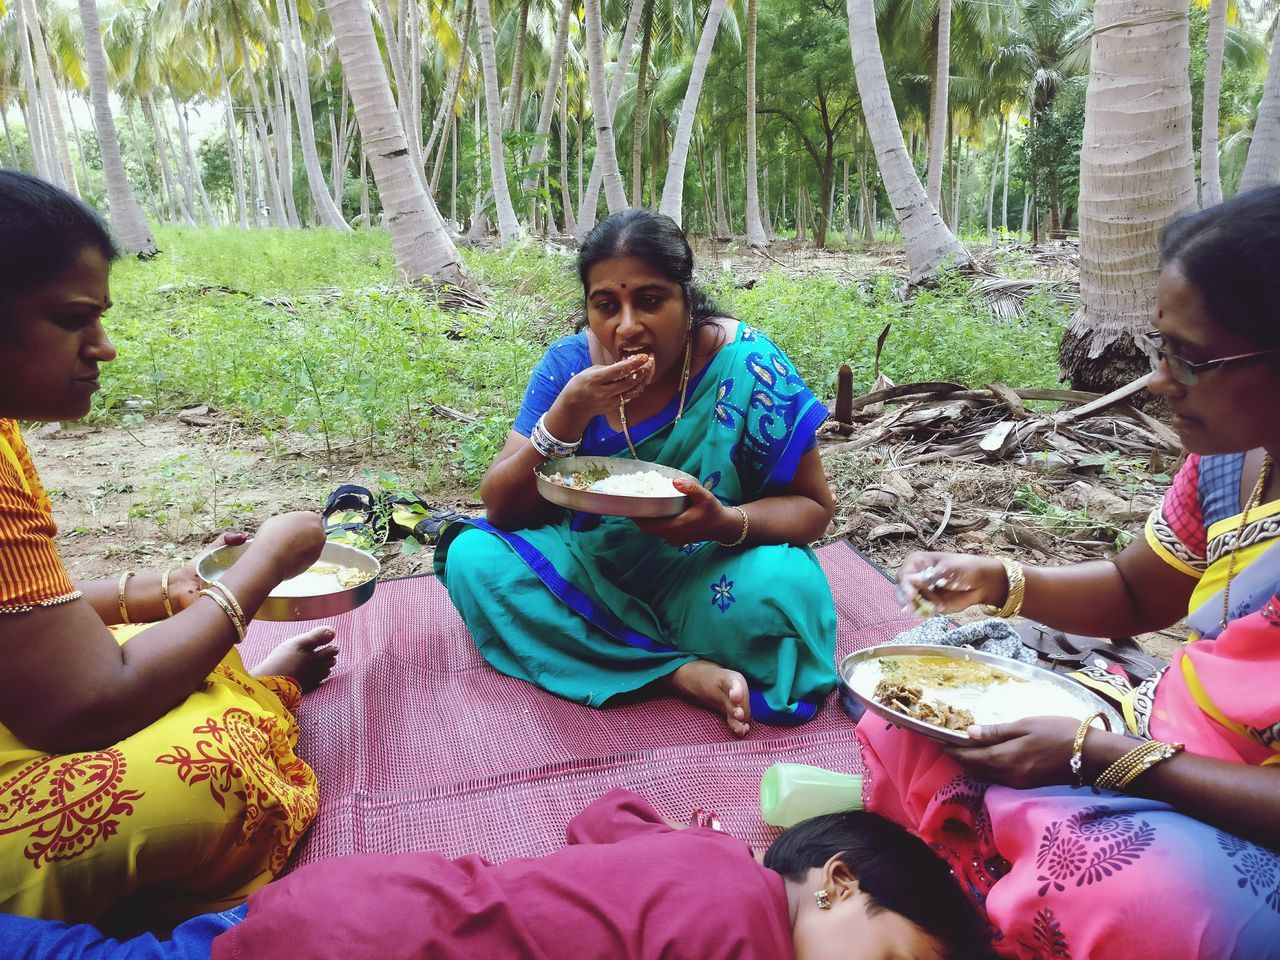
(601, 388)
(294, 540)
(950, 582)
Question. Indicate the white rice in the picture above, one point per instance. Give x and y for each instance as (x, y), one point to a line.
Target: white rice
(647, 483)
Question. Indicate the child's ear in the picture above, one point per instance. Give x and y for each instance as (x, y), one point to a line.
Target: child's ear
(839, 879)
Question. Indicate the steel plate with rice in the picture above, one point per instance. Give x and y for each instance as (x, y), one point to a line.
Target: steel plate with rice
(341, 579)
(938, 690)
(611, 486)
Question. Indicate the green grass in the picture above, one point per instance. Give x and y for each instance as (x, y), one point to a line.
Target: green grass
(309, 332)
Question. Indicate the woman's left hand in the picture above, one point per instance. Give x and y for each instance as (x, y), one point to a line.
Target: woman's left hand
(706, 518)
(184, 584)
(1035, 752)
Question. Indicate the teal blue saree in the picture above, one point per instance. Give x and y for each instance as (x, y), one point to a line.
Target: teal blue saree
(590, 607)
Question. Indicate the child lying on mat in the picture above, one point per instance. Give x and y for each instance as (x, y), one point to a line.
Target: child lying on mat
(628, 884)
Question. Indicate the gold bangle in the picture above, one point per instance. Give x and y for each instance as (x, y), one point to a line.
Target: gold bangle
(1017, 590)
(236, 622)
(1077, 748)
(124, 582)
(230, 597)
(1131, 765)
(746, 525)
(164, 593)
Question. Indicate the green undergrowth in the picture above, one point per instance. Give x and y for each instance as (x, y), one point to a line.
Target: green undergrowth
(310, 333)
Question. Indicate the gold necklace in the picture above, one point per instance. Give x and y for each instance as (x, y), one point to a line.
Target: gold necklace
(1254, 499)
(684, 382)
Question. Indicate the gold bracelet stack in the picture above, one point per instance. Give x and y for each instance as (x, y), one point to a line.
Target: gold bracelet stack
(221, 594)
(164, 593)
(1133, 764)
(746, 525)
(124, 582)
(1017, 590)
(1077, 748)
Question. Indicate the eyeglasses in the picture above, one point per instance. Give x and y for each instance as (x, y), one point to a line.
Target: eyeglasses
(1184, 371)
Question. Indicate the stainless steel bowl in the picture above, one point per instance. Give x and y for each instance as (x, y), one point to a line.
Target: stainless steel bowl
(609, 504)
(857, 701)
(215, 563)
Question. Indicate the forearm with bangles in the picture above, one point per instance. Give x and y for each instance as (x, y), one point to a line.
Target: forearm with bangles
(144, 599)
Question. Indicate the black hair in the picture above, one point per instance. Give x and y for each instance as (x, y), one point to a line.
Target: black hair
(896, 870)
(1231, 254)
(43, 229)
(656, 239)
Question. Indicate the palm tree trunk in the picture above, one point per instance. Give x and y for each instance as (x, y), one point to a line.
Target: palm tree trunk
(162, 155)
(177, 169)
(639, 120)
(455, 127)
(129, 224)
(991, 192)
(707, 215)
(542, 136)
(673, 186)
(869, 200)
(848, 208)
(1136, 176)
(604, 166)
(722, 221)
(366, 215)
(508, 225)
(33, 120)
(766, 218)
(233, 145)
(49, 99)
(1004, 203)
(153, 198)
(756, 235)
(1263, 163)
(269, 170)
(193, 163)
(939, 113)
(8, 138)
(295, 67)
(566, 199)
(1210, 178)
(282, 134)
(400, 73)
(928, 242)
(511, 113)
(75, 130)
(449, 100)
(581, 124)
(421, 244)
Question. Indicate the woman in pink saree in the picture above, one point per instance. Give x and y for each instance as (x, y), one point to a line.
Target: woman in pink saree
(1176, 856)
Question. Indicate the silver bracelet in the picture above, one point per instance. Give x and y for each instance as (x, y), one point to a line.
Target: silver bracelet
(549, 446)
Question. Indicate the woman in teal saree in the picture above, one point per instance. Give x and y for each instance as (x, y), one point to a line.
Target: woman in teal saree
(724, 604)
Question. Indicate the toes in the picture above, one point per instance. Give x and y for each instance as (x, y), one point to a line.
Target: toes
(313, 640)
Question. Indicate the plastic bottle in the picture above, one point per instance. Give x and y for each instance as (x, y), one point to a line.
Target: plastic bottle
(791, 792)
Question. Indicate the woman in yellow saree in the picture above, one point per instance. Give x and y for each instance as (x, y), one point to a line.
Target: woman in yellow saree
(157, 769)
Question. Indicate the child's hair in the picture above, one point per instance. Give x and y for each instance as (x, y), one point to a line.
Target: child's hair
(897, 871)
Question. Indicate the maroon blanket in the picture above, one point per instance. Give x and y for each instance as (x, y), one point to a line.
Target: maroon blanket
(420, 745)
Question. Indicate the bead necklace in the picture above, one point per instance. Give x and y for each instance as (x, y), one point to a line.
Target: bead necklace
(1254, 499)
(684, 382)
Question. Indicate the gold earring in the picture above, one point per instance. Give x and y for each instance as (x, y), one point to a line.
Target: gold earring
(823, 898)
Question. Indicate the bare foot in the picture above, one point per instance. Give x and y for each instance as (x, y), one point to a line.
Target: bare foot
(718, 689)
(307, 658)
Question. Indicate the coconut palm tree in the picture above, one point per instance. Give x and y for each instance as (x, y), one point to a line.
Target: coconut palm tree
(928, 242)
(755, 227)
(44, 164)
(555, 67)
(673, 186)
(603, 106)
(1210, 178)
(1263, 163)
(130, 225)
(1136, 176)
(418, 237)
(508, 225)
(295, 65)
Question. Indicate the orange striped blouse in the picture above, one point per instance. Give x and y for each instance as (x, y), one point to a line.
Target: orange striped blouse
(31, 572)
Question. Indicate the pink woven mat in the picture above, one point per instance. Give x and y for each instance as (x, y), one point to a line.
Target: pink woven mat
(419, 745)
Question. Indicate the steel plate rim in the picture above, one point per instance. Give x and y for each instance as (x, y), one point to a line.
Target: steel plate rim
(1008, 664)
